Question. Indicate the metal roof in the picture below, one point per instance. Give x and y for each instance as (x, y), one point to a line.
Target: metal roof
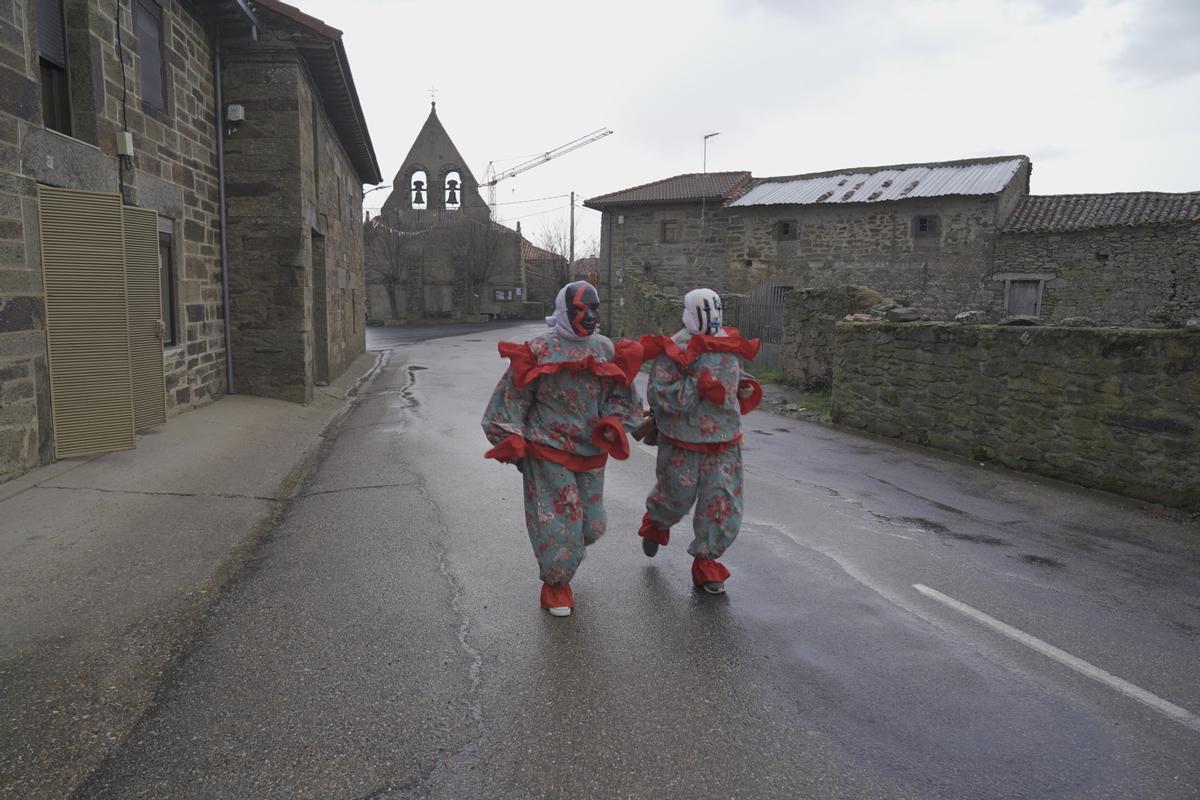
(877, 184)
(1080, 212)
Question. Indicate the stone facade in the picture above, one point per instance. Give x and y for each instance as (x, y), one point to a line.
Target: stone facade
(810, 318)
(1144, 276)
(1111, 409)
(173, 170)
(433, 252)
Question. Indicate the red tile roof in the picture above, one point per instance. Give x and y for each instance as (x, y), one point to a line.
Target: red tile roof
(1080, 212)
(531, 252)
(690, 188)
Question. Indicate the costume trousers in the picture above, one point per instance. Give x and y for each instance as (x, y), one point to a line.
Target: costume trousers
(564, 512)
(710, 481)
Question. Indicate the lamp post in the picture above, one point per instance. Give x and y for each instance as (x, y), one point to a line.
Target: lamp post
(707, 136)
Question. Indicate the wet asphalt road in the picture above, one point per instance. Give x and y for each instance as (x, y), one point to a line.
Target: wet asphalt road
(386, 641)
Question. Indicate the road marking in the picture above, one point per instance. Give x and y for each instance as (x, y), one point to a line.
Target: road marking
(1165, 707)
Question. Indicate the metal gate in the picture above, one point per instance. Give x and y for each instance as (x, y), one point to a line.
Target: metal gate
(758, 314)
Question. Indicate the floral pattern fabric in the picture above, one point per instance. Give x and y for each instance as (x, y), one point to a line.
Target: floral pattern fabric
(563, 394)
(712, 482)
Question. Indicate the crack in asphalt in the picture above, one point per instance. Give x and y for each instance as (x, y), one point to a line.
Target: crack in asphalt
(359, 489)
(215, 495)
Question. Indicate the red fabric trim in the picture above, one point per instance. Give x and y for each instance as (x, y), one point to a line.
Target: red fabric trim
(514, 448)
(557, 596)
(652, 531)
(509, 451)
(748, 404)
(525, 367)
(629, 357)
(700, 447)
(618, 449)
(711, 389)
(706, 570)
(572, 461)
(655, 344)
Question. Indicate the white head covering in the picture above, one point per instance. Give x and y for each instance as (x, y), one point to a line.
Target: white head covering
(560, 320)
(701, 311)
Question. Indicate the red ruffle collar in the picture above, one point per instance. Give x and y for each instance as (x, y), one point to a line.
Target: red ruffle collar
(626, 361)
(655, 344)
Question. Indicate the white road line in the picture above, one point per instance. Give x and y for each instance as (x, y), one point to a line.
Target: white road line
(1165, 707)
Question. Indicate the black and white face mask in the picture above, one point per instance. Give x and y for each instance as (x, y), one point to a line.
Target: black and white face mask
(702, 311)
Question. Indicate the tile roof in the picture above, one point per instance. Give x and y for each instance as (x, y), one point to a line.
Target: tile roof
(692, 187)
(531, 252)
(980, 176)
(1081, 212)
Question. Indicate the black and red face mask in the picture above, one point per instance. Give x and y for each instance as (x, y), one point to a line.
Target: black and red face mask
(583, 307)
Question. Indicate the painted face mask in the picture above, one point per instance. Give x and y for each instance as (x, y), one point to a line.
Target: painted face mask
(583, 307)
(702, 311)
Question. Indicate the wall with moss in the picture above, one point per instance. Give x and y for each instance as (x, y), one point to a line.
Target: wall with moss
(1114, 409)
(810, 318)
(647, 309)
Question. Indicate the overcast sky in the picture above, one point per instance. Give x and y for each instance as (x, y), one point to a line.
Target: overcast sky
(1103, 95)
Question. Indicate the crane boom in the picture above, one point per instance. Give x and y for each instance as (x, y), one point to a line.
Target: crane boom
(494, 177)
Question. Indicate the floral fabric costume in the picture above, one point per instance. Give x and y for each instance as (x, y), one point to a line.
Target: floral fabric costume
(698, 392)
(549, 415)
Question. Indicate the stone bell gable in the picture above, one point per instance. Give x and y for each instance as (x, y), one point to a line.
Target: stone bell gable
(434, 177)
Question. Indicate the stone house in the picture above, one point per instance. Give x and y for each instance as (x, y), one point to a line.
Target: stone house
(945, 236)
(545, 273)
(1120, 259)
(434, 251)
(113, 169)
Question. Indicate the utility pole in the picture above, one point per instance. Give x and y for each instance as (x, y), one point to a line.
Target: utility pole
(571, 247)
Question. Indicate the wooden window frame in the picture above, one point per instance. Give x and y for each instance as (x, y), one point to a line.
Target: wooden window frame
(54, 68)
(673, 226)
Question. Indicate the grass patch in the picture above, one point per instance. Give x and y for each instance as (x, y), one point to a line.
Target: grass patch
(820, 403)
(766, 375)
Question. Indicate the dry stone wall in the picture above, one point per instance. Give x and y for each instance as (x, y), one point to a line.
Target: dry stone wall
(1114, 409)
(810, 321)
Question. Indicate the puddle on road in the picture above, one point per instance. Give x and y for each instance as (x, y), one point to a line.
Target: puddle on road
(1042, 561)
(937, 528)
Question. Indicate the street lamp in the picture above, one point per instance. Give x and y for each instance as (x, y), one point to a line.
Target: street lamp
(707, 136)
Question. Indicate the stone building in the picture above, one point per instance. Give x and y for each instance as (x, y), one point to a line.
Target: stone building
(296, 165)
(433, 251)
(112, 171)
(1121, 259)
(947, 237)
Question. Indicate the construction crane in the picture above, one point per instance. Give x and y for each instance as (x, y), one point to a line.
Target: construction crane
(494, 177)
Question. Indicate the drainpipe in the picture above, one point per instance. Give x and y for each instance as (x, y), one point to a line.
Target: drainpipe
(230, 388)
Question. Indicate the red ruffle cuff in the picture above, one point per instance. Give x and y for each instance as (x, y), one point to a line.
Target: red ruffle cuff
(652, 531)
(748, 404)
(706, 570)
(618, 449)
(711, 389)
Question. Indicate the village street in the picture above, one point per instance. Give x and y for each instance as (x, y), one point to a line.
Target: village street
(898, 624)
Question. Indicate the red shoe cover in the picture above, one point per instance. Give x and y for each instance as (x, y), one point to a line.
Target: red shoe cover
(651, 531)
(706, 570)
(557, 596)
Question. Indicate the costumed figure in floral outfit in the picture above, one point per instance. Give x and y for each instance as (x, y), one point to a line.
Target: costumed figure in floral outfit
(562, 408)
(698, 392)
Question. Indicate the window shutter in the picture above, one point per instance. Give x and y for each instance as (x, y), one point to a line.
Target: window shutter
(52, 40)
(147, 25)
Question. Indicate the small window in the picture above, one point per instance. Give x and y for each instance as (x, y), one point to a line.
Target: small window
(670, 231)
(453, 191)
(166, 265)
(1024, 298)
(927, 227)
(785, 231)
(147, 26)
(419, 190)
(52, 66)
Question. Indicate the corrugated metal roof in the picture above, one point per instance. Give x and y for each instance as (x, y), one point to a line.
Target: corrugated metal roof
(877, 184)
(1081, 212)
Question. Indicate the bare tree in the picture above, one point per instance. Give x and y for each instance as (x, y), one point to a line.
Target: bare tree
(556, 238)
(394, 259)
(477, 247)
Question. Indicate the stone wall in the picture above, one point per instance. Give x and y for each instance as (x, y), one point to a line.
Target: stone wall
(1146, 276)
(173, 171)
(1114, 409)
(810, 321)
(647, 309)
